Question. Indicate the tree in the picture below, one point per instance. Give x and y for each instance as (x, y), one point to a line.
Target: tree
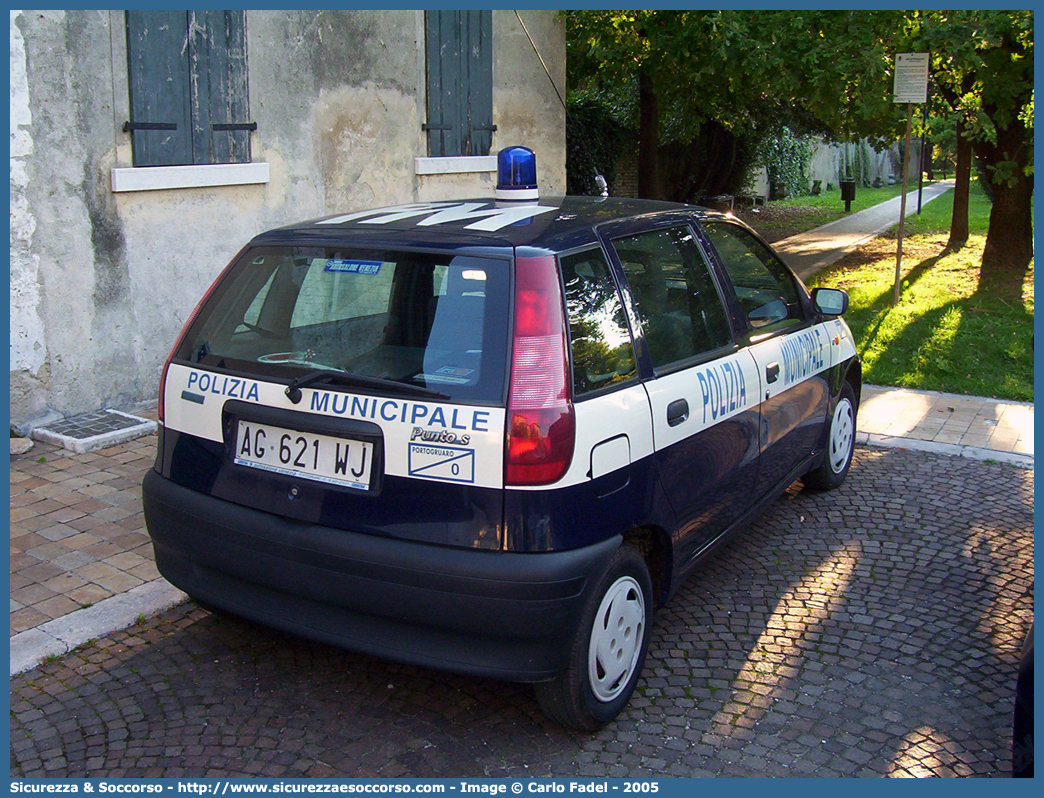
(684, 69)
(982, 64)
(739, 72)
(962, 187)
(828, 72)
(945, 129)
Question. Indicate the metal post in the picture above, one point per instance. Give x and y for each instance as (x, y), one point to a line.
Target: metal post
(920, 160)
(902, 205)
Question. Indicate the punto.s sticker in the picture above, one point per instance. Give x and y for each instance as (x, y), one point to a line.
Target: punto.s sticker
(369, 267)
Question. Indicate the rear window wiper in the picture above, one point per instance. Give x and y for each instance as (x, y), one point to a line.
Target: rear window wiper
(293, 390)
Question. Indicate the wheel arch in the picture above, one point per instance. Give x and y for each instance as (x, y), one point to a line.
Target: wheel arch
(854, 377)
(654, 544)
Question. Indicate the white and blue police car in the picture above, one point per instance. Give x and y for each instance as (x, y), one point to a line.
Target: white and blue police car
(492, 436)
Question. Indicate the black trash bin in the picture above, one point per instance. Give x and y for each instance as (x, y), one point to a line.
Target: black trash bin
(848, 193)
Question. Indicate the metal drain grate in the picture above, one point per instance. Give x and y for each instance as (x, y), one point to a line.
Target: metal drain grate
(90, 431)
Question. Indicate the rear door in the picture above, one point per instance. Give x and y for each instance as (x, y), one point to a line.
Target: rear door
(792, 354)
(703, 389)
(397, 427)
(609, 483)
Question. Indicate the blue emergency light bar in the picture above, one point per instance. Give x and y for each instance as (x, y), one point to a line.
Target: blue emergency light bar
(516, 174)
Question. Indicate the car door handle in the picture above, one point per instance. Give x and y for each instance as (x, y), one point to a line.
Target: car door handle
(772, 372)
(677, 412)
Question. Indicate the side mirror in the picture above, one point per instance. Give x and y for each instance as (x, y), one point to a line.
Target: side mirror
(829, 301)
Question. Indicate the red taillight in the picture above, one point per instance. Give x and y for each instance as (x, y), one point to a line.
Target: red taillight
(531, 312)
(540, 424)
(161, 410)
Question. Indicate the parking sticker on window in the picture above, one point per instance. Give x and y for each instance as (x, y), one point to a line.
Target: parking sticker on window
(368, 267)
(444, 379)
(442, 462)
(448, 375)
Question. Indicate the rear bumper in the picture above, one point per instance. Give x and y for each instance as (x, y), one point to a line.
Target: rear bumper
(502, 615)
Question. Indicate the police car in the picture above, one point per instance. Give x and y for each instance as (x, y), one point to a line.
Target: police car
(492, 436)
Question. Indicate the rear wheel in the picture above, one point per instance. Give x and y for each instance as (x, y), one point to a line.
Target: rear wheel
(840, 444)
(608, 649)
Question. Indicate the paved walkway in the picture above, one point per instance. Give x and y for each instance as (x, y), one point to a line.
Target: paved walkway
(967, 426)
(81, 560)
(806, 253)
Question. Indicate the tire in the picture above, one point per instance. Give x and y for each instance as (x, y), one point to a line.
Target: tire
(608, 649)
(206, 605)
(837, 458)
(1022, 754)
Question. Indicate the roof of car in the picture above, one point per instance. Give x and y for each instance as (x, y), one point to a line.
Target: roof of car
(554, 223)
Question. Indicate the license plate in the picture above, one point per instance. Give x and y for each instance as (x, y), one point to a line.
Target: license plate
(323, 458)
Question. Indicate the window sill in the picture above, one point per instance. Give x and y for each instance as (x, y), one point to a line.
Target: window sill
(154, 178)
(465, 164)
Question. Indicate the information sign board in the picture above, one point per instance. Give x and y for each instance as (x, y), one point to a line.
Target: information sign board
(911, 78)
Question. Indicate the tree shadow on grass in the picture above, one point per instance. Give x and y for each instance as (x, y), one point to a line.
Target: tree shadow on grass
(882, 304)
(973, 353)
(1006, 287)
(956, 357)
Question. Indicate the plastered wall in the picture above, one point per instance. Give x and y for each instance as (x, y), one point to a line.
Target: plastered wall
(101, 281)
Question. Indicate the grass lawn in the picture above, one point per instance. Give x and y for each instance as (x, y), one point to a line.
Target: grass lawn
(785, 217)
(948, 333)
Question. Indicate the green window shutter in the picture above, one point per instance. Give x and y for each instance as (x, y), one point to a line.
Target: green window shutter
(217, 68)
(479, 59)
(443, 57)
(159, 93)
(192, 66)
(460, 82)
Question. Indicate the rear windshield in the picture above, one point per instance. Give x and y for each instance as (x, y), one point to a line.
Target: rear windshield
(429, 321)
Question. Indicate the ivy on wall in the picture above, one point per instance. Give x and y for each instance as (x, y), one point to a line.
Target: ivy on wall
(594, 140)
(786, 158)
(866, 160)
(857, 163)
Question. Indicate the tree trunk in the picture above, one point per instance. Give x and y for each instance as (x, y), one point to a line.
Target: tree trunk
(962, 176)
(703, 167)
(648, 138)
(1009, 241)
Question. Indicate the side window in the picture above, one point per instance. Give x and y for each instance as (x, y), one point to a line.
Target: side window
(765, 287)
(188, 87)
(678, 304)
(601, 343)
(460, 82)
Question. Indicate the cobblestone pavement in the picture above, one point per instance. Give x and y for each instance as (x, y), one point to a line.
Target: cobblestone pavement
(869, 631)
